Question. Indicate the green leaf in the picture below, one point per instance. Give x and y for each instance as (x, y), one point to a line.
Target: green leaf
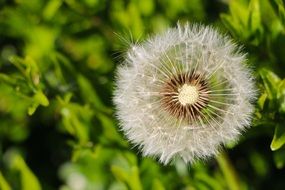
(33, 108)
(51, 8)
(254, 16)
(270, 19)
(229, 23)
(228, 171)
(281, 96)
(270, 81)
(237, 20)
(76, 119)
(32, 70)
(41, 98)
(278, 138)
(38, 99)
(254, 21)
(28, 180)
(239, 12)
(125, 169)
(88, 93)
(29, 68)
(279, 156)
(281, 10)
(119, 173)
(130, 177)
(261, 100)
(110, 134)
(259, 163)
(157, 185)
(3, 183)
(146, 7)
(209, 180)
(7, 79)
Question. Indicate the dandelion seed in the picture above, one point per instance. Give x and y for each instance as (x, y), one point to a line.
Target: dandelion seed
(184, 93)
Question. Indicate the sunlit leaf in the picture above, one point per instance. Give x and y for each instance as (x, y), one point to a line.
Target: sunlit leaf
(88, 93)
(38, 99)
(51, 8)
(28, 179)
(3, 183)
(110, 134)
(270, 81)
(281, 96)
(281, 10)
(254, 17)
(261, 100)
(278, 138)
(157, 185)
(237, 20)
(270, 19)
(130, 177)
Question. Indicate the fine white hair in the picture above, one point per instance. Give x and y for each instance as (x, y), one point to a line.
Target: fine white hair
(148, 66)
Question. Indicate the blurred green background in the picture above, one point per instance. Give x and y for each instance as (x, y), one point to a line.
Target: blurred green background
(57, 124)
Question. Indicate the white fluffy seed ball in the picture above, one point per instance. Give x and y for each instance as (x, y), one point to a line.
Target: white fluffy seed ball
(184, 93)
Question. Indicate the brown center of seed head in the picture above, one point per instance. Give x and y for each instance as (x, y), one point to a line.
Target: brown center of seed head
(185, 95)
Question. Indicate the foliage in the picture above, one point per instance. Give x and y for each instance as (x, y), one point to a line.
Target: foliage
(57, 126)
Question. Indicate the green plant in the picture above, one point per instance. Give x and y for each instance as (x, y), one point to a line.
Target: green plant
(57, 124)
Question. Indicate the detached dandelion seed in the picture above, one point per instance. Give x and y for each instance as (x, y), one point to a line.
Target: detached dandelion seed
(184, 93)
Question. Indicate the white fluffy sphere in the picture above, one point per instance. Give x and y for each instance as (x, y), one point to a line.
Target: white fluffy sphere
(184, 93)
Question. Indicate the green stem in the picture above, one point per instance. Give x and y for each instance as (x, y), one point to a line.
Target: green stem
(228, 171)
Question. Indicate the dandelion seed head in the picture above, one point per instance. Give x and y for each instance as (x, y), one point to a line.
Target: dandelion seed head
(184, 93)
